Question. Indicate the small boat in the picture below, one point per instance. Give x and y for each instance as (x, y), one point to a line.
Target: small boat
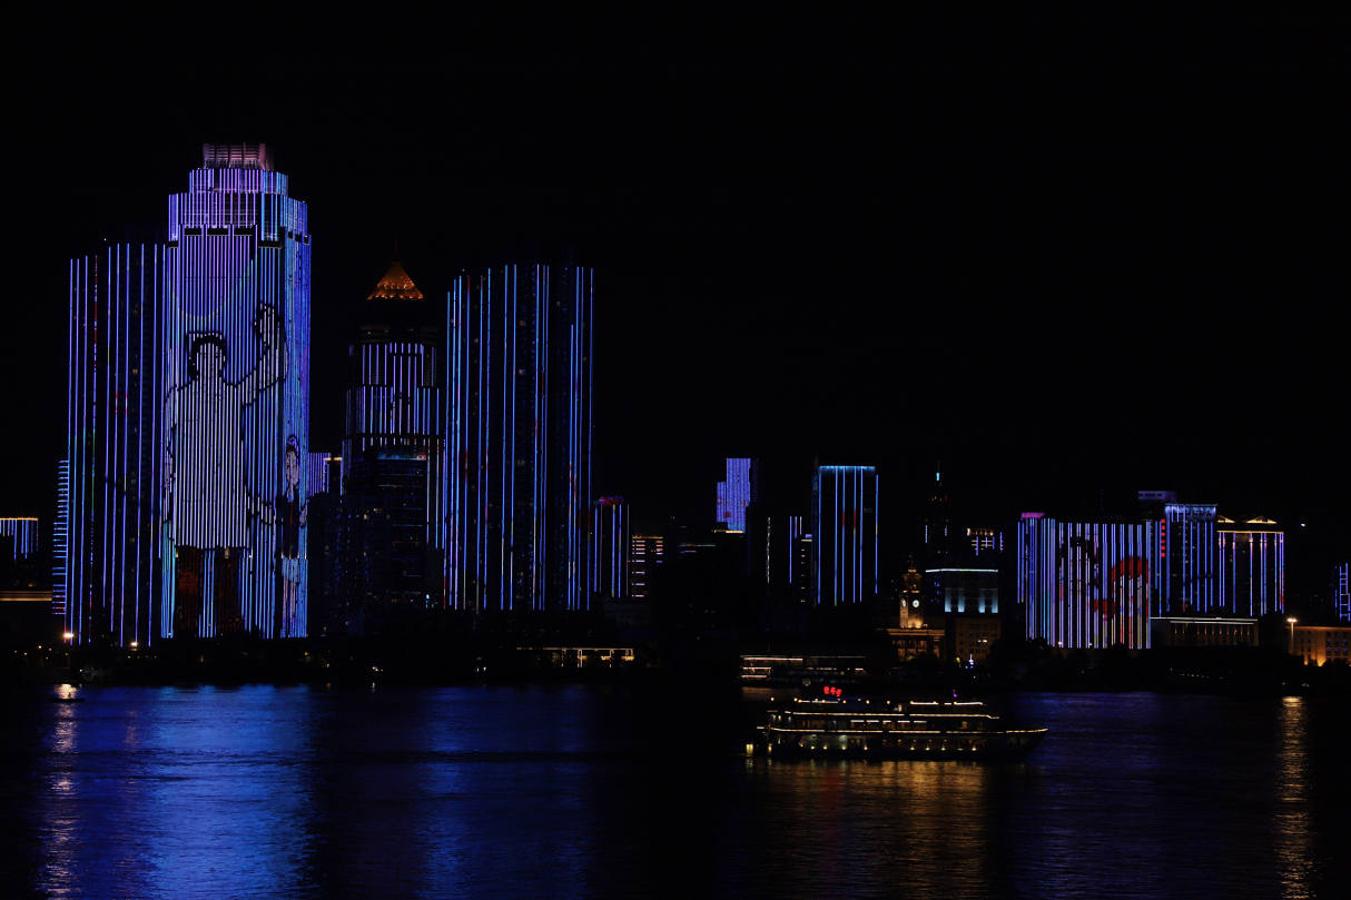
(831, 726)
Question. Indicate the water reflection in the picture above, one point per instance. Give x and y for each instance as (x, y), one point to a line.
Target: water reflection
(586, 791)
(1292, 825)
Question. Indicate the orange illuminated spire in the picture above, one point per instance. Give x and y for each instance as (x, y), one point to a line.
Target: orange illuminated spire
(396, 285)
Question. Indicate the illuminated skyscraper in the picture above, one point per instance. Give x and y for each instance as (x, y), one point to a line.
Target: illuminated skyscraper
(610, 532)
(1086, 584)
(845, 550)
(235, 339)
(111, 478)
(734, 495)
(517, 503)
(1251, 567)
(392, 454)
(1186, 582)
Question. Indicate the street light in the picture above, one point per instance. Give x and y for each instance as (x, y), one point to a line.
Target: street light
(1292, 620)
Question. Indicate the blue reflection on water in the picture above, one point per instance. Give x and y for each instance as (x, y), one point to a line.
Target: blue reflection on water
(585, 791)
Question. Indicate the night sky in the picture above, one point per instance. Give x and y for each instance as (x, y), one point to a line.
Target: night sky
(1070, 259)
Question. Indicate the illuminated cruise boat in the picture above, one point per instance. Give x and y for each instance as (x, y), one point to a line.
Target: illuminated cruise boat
(831, 726)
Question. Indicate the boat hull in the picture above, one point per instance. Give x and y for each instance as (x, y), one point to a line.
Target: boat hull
(989, 745)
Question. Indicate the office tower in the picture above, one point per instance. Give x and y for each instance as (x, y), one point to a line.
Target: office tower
(1186, 582)
(734, 495)
(845, 559)
(647, 553)
(236, 330)
(610, 560)
(1341, 591)
(113, 473)
(1251, 565)
(1086, 584)
(517, 503)
(392, 454)
(18, 537)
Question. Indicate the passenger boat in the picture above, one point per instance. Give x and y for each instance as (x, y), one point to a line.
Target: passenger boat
(831, 726)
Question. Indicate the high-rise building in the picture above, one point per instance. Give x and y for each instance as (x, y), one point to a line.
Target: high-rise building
(734, 494)
(517, 502)
(1341, 591)
(1086, 584)
(647, 553)
(235, 341)
(1251, 567)
(612, 544)
(113, 475)
(392, 458)
(846, 557)
(1186, 582)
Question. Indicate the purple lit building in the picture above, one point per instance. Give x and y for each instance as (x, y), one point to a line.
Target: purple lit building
(234, 330)
(1087, 584)
(517, 503)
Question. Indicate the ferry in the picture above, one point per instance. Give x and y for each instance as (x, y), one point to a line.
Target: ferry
(830, 726)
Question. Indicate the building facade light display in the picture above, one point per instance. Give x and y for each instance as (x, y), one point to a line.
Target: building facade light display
(845, 550)
(516, 507)
(610, 563)
(106, 587)
(235, 329)
(734, 495)
(1086, 584)
(1251, 567)
(1186, 582)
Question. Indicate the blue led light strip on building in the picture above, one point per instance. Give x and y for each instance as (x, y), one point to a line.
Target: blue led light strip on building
(518, 531)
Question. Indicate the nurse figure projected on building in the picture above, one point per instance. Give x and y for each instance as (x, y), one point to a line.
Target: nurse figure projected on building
(209, 499)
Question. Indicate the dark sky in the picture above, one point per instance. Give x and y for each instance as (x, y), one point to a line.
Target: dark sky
(1067, 257)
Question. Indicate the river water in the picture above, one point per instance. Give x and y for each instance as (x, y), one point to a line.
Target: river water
(594, 790)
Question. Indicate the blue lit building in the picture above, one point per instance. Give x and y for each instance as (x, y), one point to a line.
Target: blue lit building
(517, 503)
(1251, 565)
(612, 545)
(1341, 591)
(234, 332)
(845, 549)
(112, 477)
(1186, 583)
(734, 495)
(19, 537)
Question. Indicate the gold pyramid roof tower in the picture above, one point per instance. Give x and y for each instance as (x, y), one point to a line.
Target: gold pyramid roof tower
(395, 285)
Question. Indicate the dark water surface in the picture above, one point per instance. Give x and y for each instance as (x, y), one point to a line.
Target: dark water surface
(584, 790)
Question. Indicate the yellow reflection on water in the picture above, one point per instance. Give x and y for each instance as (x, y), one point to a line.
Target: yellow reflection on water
(1294, 826)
